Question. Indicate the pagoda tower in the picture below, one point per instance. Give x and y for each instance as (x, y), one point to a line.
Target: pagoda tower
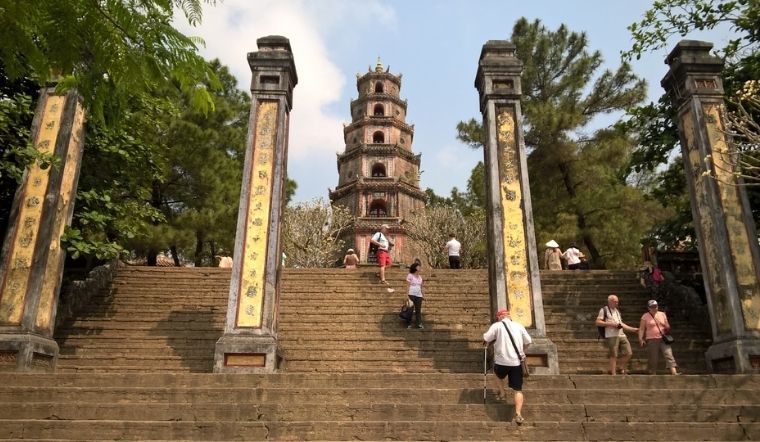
(378, 172)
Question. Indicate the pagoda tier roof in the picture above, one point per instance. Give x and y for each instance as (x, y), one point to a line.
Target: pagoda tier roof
(379, 149)
(378, 121)
(375, 75)
(365, 224)
(379, 97)
(378, 184)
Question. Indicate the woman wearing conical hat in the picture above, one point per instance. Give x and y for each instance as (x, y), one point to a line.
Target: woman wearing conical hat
(553, 256)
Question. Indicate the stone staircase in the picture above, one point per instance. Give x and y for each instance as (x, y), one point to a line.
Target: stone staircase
(136, 365)
(163, 319)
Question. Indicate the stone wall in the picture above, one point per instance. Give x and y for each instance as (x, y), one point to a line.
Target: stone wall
(77, 294)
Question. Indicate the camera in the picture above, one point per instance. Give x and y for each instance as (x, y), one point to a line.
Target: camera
(620, 326)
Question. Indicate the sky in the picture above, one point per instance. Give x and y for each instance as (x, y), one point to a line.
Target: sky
(435, 44)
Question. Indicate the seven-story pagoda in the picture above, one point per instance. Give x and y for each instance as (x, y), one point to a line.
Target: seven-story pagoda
(378, 172)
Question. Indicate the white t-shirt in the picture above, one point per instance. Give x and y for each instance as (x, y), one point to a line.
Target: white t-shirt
(572, 255)
(379, 237)
(613, 314)
(504, 352)
(453, 247)
(415, 284)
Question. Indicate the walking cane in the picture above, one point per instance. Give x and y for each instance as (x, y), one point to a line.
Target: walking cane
(485, 371)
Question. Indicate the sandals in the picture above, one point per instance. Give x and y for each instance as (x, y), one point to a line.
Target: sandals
(382, 281)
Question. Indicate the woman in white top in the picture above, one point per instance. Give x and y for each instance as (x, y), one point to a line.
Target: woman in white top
(415, 293)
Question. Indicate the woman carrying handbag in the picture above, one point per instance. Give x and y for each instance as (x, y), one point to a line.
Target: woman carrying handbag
(654, 332)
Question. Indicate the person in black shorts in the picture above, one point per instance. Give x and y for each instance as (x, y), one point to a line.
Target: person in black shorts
(507, 363)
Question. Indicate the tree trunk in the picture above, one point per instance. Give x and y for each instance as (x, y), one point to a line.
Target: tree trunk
(155, 201)
(212, 251)
(581, 217)
(175, 256)
(199, 238)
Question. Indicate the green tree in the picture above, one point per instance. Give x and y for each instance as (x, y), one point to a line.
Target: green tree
(654, 123)
(578, 184)
(108, 50)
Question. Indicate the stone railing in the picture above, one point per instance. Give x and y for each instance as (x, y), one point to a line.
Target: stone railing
(76, 294)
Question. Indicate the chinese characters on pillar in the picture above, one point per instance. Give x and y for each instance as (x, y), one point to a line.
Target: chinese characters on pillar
(260, 181)
(515, 247)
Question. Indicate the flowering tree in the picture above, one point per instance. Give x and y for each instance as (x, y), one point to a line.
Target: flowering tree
(430, 231)
(311, 233)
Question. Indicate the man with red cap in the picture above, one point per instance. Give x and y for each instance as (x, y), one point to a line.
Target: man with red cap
(507, 337)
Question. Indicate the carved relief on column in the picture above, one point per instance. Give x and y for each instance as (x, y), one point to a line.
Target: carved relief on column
(24, 239)
(253, 265)
(515, 249)
(64, 210)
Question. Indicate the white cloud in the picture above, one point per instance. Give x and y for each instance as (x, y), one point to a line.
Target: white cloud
(231, 28)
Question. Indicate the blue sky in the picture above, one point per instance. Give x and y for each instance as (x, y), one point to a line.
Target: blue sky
(434, 44)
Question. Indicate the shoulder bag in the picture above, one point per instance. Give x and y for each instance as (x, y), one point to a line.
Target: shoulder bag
(666, 338)
(523, 359)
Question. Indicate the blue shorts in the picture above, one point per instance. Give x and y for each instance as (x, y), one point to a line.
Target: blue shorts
(515, 375)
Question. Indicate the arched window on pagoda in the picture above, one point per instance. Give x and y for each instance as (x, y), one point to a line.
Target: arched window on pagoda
(378, 137)
(379, 110)
(378, 170)
(379, 88)
(378, 209)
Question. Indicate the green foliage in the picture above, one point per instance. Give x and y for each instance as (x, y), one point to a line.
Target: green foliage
(109, 50)
(667, 18)
(290, 190)
(579, 186)
(470, 133)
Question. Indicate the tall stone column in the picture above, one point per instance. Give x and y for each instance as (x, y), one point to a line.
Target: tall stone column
(249, 343)
(728, 247)
(513, 275)
(31, 264)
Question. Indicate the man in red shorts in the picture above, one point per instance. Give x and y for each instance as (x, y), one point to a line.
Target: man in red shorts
(380, 239)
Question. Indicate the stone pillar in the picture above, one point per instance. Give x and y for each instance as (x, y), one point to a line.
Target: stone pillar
(249, 343)
(513, 275)
(728, 247)
(31, 264)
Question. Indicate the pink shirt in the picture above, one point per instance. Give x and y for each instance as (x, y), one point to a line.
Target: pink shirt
(651, 331)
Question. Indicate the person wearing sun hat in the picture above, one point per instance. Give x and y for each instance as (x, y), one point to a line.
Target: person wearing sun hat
(654, 324)
(553, 256)
(350, 261)
(507, 363)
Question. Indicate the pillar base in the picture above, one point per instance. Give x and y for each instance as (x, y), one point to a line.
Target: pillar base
(739, 355)
(27, 352)
(246, 354)
(542, 356)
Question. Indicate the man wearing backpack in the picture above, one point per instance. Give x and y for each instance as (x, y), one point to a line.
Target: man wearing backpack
(618, 346)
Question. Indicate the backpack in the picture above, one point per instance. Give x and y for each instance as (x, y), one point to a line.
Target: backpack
(373, 248)
(657, 275)
(601, 329)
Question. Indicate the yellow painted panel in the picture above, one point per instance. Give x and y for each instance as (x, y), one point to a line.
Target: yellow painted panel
(245, 360)
(24, 239)
(724, 166)
(66, 196)
(515, 238)
(253, 261)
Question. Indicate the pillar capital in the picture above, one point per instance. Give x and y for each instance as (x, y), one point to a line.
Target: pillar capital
(273, 68)
(499, 71)
(693, 71)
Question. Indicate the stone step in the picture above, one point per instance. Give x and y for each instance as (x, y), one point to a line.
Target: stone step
(493, 409)
(360, 395)
(397, 430)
